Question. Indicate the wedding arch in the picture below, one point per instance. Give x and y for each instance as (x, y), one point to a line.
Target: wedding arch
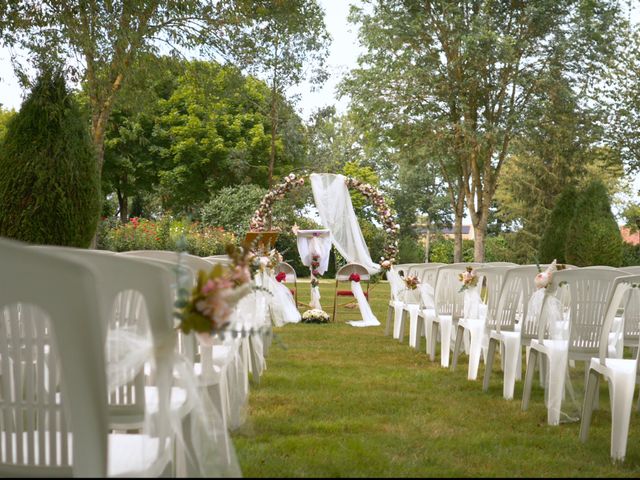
(333, 201)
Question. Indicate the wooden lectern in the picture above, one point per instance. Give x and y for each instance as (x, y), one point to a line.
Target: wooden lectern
(260, 241)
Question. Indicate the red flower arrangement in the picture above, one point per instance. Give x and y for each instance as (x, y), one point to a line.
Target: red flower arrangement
(354, 277)
(281, 277)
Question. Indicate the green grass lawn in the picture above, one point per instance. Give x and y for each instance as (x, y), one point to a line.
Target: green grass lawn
(340, 401)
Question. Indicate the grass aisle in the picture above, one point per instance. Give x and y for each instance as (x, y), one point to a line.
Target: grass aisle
(341, 401)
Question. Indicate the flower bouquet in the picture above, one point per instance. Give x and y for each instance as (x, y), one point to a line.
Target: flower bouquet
(468, 278)
(206, 310)
(411, 282)
(315, 316)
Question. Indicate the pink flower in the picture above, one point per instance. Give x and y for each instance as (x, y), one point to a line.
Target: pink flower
(281, 277)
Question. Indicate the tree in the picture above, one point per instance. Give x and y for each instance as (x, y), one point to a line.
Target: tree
(49, 187)
(554, 239)
(212, 132)
(282, 41)
(593, 237)
(108, 36)
(458, 76)
(5, 116)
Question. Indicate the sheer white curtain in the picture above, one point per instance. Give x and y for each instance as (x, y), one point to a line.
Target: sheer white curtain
(333, 202)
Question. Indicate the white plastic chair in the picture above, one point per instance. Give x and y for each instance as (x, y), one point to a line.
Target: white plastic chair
(290, 277)
(589, 290)
(52, 347)
(342, 276)
(395, 319)
(427, 274)
(620, 374)
(507, 329)
(476, 327)
(449, 309)
(223, 367)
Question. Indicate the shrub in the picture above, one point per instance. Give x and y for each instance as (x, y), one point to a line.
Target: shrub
(49, 183)
(232, 208)
(410, 250)
(166, 234)
(594, 237)
(630, 255)
(554, 238)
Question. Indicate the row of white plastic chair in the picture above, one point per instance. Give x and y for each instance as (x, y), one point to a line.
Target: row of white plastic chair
(591, 297)
(69, 317)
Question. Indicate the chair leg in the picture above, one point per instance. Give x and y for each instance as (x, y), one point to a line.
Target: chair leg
(528, 378)
(488, 366)
(434, 339)
(335, 301)
(457, 346)
(591, 390)
(387, 328)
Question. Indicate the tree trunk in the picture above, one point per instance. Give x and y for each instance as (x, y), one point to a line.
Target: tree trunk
(457, 230)
(274, 129)
(427, 243)
(479, 233)
(123, 203)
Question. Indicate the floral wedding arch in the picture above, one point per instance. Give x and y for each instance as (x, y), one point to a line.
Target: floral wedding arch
(372, 194)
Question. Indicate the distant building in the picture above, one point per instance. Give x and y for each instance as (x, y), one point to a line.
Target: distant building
(467, 232)
(627, 236)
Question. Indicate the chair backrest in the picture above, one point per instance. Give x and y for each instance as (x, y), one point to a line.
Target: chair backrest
(344, 272)
(52, 366)
(192, 261)
(625, 291)
(589, 290)
(426, 272)
(631, 317)
(288, 270)
(449, 299)
(632, 270)
(219, 259)
(517, 287)
(494, 278)
(501, 264)
(138, 298)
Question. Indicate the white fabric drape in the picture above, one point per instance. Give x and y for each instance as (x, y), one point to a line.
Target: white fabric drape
(314, 242)
(368, 318)
(333, 202)
(283, 305)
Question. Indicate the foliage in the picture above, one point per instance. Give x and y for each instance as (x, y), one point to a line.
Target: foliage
(109, 36)
(630, 254)
(212, 132)
(631, 215)
(233, 207)
(281, 42)
(441, 250)
(166, 234)
(411, 250)
(457, 78)
(5, 116)
(594, 237)
(49, 187)
(131, 158)
(554, 239)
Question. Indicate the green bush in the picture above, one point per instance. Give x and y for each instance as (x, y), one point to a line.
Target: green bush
(594, 237)
(554, 238)
(497, 249)
(630, 255)
(441, 250)
(232, 208)
(49, 183)
(410, 250)
(166, 234)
